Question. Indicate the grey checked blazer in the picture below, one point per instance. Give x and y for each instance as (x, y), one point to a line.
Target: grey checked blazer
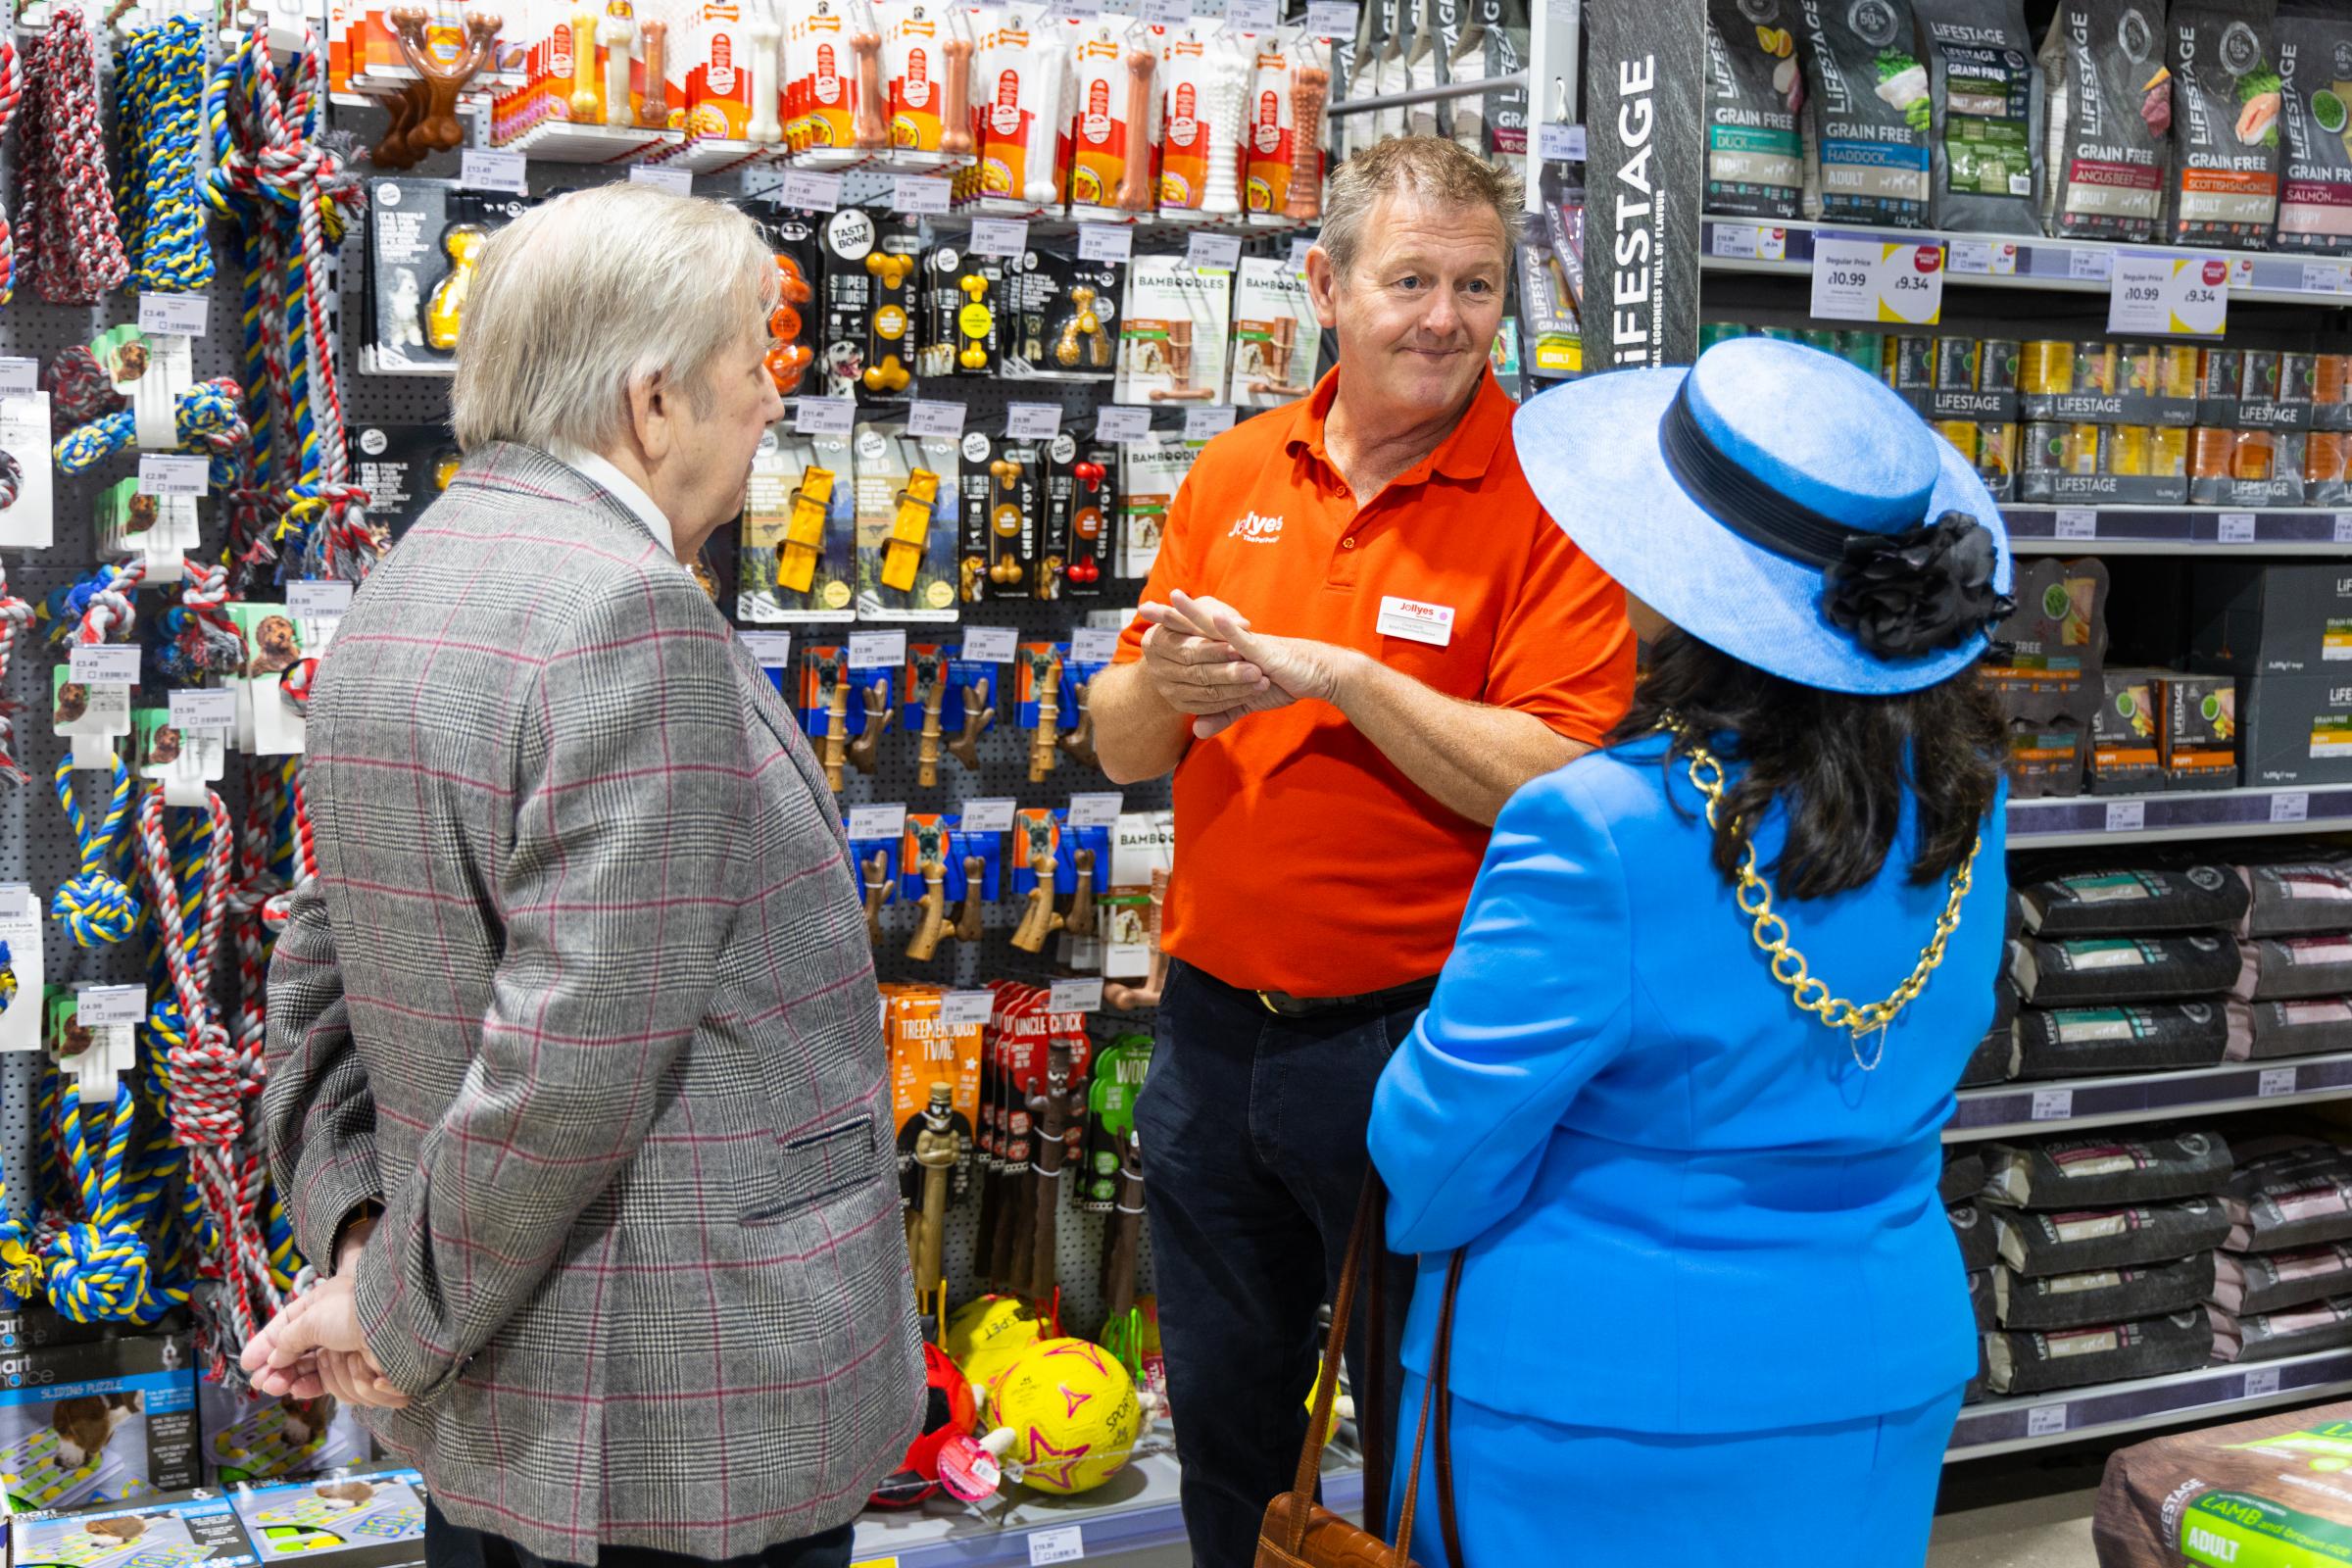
(581, 994)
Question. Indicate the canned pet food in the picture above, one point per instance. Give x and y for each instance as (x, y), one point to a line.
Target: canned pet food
(2254, 455)
(2331, 378)
(2141, 367)
(2126, 452)
(1862, 350)
(2323, 454)
(2168, 452)
(2043, 450)
(2177, 376)
(2096, 367)
(2221, 374)
(2298, 377)
(2210, 451)
(1911, 364)
(2262, 373)
(1996, 457)
(2046, 367)
(1711, 333)
(1961, 434)
(1955, 364)
(1998, 365)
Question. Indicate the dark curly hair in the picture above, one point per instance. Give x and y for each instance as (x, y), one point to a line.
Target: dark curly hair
(1839, 765)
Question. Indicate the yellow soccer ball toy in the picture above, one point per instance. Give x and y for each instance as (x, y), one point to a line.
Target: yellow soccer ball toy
(1073, 1415)
(986, 1334)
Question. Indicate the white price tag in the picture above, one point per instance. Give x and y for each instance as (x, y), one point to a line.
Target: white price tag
(1099, 809)
(1875, 280)
(308, 597)
(920, 193)
(1213, 250)
(2237, 527)
(961, 1010)
(2274, 1082)
(1200, 425)
(877, 649)
(1095, 645)
(1082, 9)
(998, 237)
(1560, 144)
(2290, 805)
(2045, 1420)
(2127, 816)
(101, 1006)
(1063, 1543)
(935, 418)
(1299, 249)
(1074, 996)
(20, 377)
(2325, 277)
(1982, 258)
(1167, 13)
(990, 645)
(16, 902)
(166, 474)
(2053, 1105)
(212, 707)
(2185, 295)
(877, 821)
(769, 650)
(1033, 422)
(2344, 527)
(105, 663)
(987, 816)
(1120, 425)
(2262, 1382)
(1332, 19)
(2077, 523)
(2090, 266)
(175, 314)
(1735, 242)
(1253, 16)
(823, 415)
(1105, 242)
(811, 192)
(677, 181)
(485, 170)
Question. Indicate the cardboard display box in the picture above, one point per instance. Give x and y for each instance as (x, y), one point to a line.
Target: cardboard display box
(368, 1517)
(2297, 729)
(107, 1421)
(2199, 731)
(2272, 621)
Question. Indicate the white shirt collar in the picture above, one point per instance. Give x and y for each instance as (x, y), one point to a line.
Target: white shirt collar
(600, 472)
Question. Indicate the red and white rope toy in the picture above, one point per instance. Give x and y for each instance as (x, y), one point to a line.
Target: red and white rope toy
(67, 210)
(16, 616)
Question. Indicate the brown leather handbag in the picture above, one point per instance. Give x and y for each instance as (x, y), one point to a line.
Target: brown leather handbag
(1300, 1533)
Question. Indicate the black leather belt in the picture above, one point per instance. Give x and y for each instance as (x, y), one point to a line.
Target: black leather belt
(1394, 999)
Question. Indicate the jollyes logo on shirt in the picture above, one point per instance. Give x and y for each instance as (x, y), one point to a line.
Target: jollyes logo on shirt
(1256, 530)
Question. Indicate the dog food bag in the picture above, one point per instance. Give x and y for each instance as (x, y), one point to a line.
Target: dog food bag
(2136, 903)
(2092, 969)
(1756, 89)
(1995, 1060)
(1973, 1228)
(2291, 1192)
(2262, 1031)
(1988, 114)
(2267, 1492)
(2110, 119)
(2095, 1171)
(2224, 123)
(2037, 1362)
(2035, 1244)
(1980, 1299)
(2293, 899)
(2102, 1295)
(2291, 969)
(2157, 1037)
(2269, 1282)
(1963, 1176)
(2315, 104)
(2291, 1331)
(1870, 100)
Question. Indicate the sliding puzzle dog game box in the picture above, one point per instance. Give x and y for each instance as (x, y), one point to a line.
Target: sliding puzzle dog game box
(111, 1420)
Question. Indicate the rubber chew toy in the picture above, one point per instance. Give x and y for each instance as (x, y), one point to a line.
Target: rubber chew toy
(1045, 670)
(937, 1149)
(933, 926)
(955, 111)
(1079, 743)
(804, 539)
(436, 127)
(1085, 324)
(931, 691)
(620, 31)
(1080, 920)
(652, 104)
(836, 694)
(1221, 192)
(582, 102)
(1051, 1114)
(967, 915)
(1038, 919)
(878, 892)
(1276, 382)
(1178, 348)
(1043, 72)
(909, 532)
(866, 749)
(978, 715)
(761, 36)
(871, 130)
(445, 309)
(1310, 87)
(1136, 189)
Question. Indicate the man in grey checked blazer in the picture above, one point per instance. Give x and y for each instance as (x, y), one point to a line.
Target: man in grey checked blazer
(579, 999)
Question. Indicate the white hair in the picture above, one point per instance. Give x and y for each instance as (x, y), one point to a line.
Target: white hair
(576, 299)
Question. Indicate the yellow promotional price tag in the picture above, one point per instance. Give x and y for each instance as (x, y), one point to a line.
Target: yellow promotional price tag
(1878, 280)
(2185, 296)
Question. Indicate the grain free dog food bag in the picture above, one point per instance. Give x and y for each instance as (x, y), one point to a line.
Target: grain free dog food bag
(2090, 969)
(2079, 1242)
(2097, 1172)
(2225, 188)
(2146, 1037)
(2291, 1331)
(2315, 104)
(2102, 1295)
(2261, 1031)
(2269, 1282)
(2110, 115)
(1755, 90)
(1986, 115)
(2293, 900)
(2288, 1192)
(1980, 1299)
(1963, 1176)
(2070, 1358)
(2135, 903)
(1870, 102)
(1995, 1060)
(1973, 1229)
(2290, 968)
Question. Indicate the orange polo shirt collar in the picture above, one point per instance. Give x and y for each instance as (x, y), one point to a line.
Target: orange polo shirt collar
(1464, 454)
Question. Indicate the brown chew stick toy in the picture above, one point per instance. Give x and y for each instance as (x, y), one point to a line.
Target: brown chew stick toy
(1038, 919)
(967, 915)
(1050, 1114)
(934, 904)
(1135, 190)
(1180, 369)
(932, 690)
(1047, 670)
(1079, 743)
(1308, 92)
(871, 131)
(836, 723)
(865, 750)
(978, 713)
(653, 99)
(879, 887)
(1080, 920)
(955, 111)
(437, 128)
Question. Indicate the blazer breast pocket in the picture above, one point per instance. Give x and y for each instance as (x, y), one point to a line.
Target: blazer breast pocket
(810, 1169)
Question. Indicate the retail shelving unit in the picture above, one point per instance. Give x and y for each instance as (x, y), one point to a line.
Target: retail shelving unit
(2038, 530)
(2112, 1409)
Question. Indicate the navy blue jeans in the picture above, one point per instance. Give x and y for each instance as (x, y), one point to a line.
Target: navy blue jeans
(1253, 1129)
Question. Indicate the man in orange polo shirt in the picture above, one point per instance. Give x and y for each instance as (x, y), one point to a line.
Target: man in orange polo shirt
(1362, 635)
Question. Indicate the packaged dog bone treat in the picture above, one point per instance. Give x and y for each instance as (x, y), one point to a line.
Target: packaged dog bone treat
(2035, 1244)
(1871, 102)
(2269, 1282)
(2149, 1037)
(2224, 189)
(1755, 87)
(2291, 969)
(2288, 1192)
(2091, 970)
(2136, 903)
(2102, 1295)
(1988, 125)
(2070, 1358)
(2097, 1170)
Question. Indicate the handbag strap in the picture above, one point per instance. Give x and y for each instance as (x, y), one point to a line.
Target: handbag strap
(1440, 1384)
(1327, 1381)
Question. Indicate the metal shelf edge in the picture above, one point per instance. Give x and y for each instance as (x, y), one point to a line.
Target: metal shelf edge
(2118, 1407)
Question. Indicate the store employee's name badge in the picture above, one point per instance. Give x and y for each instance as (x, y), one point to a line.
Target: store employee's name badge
(1416, 621)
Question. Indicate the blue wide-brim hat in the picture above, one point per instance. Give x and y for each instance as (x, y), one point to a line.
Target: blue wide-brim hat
(1719, 493)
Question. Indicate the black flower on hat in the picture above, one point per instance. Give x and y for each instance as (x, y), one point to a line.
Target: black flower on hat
(1901, 595)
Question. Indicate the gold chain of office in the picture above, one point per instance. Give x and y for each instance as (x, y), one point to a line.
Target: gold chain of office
(1753, 895)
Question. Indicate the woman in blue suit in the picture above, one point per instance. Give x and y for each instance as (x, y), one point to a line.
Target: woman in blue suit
(1710, 1311)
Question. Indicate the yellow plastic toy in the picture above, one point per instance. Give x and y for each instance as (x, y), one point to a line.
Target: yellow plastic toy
(910, 530)
(445, 311)
(805, 532)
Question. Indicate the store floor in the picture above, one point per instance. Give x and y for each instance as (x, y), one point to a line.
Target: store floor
(2013, 1513)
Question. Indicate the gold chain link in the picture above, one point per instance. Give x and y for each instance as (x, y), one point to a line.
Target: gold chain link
(1753, 895)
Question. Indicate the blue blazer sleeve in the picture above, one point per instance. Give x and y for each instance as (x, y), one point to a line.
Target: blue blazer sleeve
(1536, 999)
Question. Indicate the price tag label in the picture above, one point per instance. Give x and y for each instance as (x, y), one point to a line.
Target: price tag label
(105, 665)
(991, 645)
(1095, 645)
(308, 597)
(1033, 422)
(1332, 19)
(1560, 144)
(16, 902)
(2344, 527)
(485, 170)
(1082, 9)
(877, 649)
(1873, 281)
(677, 181)
(1106, 242)
(935, 418)
(2045, 1421)
(1063, 1543)
(988, 817)
(1200, 425)
(2290, 805)
(1734, 242)
(165, 474)
(101, 1006)
(2127, 816)
(2262, 1382)
(1299, 249)
(2185, 295)
(877, 821)
(2053, 1105)
(2325, 277)
(1253, 16)
(175, 314)
(1074, 996)
(1000, 236)
(918, 193)
(2090, 266)
(214, 708)
(20, 377)
(961, 1010)
(2077, 523)
(2237, 527)
(769, 650)
(2274, 1082)
(823, 415)
(1213, 250)
(1982, 258)
(812, 191)
(1167, 13)
(1096, 810)
(1121, 426)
